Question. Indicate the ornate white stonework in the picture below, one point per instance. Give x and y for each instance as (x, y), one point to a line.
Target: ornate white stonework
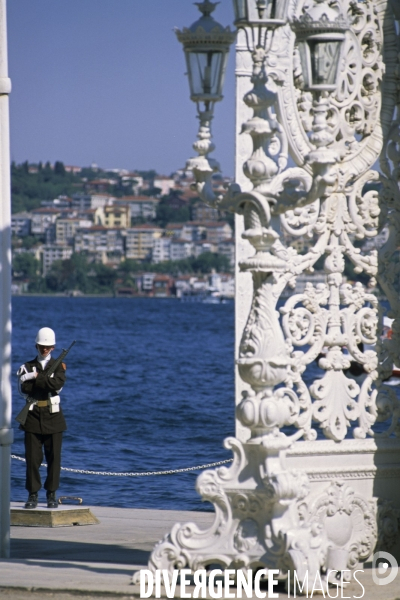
(290, 500)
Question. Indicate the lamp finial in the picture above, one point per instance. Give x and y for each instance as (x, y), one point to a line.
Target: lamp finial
(206, 7)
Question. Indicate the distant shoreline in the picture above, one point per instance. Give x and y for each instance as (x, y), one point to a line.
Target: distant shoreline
(37, 295)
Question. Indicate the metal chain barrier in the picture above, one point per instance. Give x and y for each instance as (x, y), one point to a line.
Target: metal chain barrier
(145, 474)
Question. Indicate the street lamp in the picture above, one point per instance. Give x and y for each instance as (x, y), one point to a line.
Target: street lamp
(260, 16)
(320, 33)
(206, 45)
(257, 12)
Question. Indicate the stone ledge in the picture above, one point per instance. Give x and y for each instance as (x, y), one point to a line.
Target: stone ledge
(52, 517)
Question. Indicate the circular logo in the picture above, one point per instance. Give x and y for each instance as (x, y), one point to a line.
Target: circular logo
(384, 568)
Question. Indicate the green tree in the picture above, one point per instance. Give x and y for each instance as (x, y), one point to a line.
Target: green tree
(28, 190)
(28, 241)
(25, 265)
(71, 274)
(148, 175)
(165, 213)
(59, 168)
(208, 261)
(104, 278)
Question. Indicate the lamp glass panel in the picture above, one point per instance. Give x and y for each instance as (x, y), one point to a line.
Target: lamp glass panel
(255, 11)
(324, 57)
(240, 8)
(206, 72)
(261, 9)
(265, 9)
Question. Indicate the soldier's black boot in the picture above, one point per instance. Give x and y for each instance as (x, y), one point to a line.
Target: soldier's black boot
(32, 500)
(51, 500)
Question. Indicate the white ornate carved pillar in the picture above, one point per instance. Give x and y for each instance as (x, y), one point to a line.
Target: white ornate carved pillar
(315, 481)
(243, 249)
(6, 432)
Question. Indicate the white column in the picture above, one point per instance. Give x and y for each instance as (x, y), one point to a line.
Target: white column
(6, 433)
(243, 148)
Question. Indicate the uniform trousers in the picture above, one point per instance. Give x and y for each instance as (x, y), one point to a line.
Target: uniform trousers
(34, 444)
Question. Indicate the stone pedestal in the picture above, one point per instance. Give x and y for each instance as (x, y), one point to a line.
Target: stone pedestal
(51, 517)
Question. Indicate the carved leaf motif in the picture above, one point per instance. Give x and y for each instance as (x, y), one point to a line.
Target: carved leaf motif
(335, 404)
(263, 355)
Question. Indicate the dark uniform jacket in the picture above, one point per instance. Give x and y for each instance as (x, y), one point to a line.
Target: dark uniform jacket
(41, 420)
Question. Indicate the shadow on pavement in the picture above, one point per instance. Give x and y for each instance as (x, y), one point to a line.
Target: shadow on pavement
(34, 549)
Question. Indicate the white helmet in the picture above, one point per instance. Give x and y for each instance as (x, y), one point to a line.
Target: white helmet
(46, 337)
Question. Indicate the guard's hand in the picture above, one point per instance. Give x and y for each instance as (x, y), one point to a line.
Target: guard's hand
(27, 376)
(64, 366)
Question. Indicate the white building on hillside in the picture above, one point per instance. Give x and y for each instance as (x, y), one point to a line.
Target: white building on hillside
(143, 207)
(42, 219)
(140, 241)
(21, 224)
(161, 250)
(102, 244)
(165, 184)
(180, 249)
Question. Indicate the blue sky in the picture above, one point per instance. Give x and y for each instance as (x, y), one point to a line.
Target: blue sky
(103, 81)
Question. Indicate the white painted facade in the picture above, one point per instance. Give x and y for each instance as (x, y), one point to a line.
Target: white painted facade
(180, 249)
(140, 241)
(161, 250)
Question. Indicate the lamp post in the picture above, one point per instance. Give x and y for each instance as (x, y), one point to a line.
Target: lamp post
(206, 46)
(315, 481)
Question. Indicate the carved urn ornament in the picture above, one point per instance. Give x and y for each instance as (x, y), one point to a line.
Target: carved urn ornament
(315, 479)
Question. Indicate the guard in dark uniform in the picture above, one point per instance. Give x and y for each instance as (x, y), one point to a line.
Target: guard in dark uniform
(45, 422)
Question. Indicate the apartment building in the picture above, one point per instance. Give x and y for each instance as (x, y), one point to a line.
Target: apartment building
(143, 207)
(163, 183)
(101, 243)
(140, 240)
(227, 248)
(195, 231)
(222, 283)
(203, 246)
(181, 249)
(162, 285)
(203, 212)
(117, 215)
(217, 231)
(66, 228)
(21, 224)
(161, 250)
(42, 218)
(94, 215)
(101, 200)
(81, 202)
(62, 202)
(175, 230)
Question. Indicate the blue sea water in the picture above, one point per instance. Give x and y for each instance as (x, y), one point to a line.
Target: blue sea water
(150, 386)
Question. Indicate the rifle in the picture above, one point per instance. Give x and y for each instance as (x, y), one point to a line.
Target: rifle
(59, 360)
(22, 415)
